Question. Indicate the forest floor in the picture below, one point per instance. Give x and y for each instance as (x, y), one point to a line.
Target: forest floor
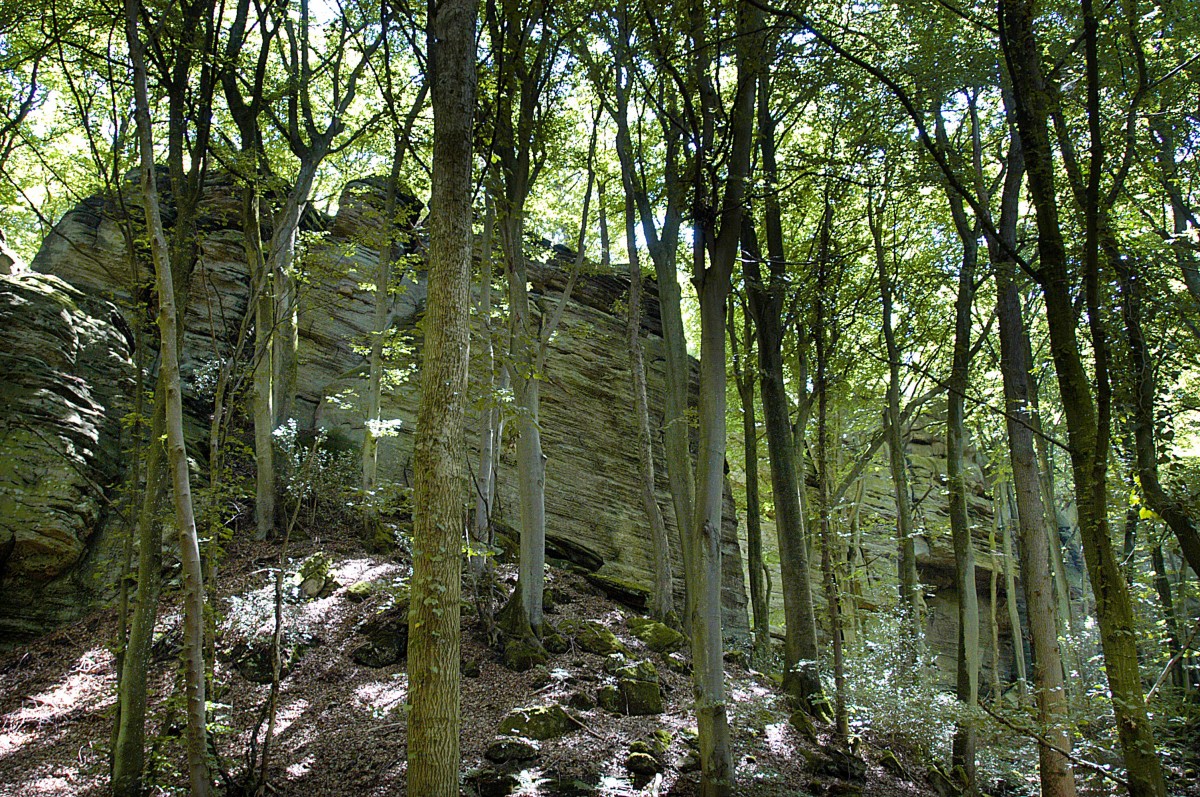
(341, 726)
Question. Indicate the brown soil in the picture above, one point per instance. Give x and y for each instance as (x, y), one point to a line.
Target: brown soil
(341, 726)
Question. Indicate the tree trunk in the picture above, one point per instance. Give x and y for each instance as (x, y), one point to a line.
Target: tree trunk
(743, 375)
(1010, 592)
(967, 671)
(129, 736)
(662, 596)
(801, 677)
(912, 601)
(440, 447)
(192, 578)
(1087, 419)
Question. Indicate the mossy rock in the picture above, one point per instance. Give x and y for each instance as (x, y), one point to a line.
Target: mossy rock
(622, 590)
(581, 701)
(679, 663)
(512, 748)
(313, 578)
(656, 744)
(522, 654)
(804, 724)
(659, 637)
(631, 698)
(253, 661)
(555, 643)
(490, 782)
(538, 722)
(594, 637)
(386, 635)
(470, 668)
(643, 764)
(839, 763)
(361, 591)
(892, 764)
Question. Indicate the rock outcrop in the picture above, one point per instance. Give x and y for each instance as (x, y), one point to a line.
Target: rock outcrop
(67, 372)
(593, 504)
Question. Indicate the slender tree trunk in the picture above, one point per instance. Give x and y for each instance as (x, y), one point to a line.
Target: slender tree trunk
(967, 675)
(440, 447)
(828, 574)
(1010, 592)
(801, 677)
(743, 375)
(662, 596)
(1087, 418)
(912, 602)
(264, 400)
(128, 758)
(801, 656)
(192, 577)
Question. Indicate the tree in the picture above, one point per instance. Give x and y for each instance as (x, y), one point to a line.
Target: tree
(1087, 416)
(433, 647)
(169, 335)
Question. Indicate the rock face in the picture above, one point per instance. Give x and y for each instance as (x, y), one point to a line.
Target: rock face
(66, 375)
(593, 504)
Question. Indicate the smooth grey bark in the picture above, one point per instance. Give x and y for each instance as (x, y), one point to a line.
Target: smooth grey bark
(967, 669)
(801, 678)
(715, 240)
(662, 243)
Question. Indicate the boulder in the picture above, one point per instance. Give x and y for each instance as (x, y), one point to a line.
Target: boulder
(512, 748)
(595, 637)
(386, 635)
(538, 722)
(658, 637)
(635, 692)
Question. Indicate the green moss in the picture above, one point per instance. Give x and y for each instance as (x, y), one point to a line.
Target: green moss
(657, 636)
(537, 722)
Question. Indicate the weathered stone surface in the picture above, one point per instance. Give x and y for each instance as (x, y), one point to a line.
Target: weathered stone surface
(386, 635)
(658, 637)
(636, 691)
(60, 447)
(512, 748)
(593, 503)
(537, 722)
(594, 637)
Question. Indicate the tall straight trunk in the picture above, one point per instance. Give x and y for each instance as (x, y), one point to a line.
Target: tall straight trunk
(912, 601)
(489, 432)
(662, 597)
(662, 244)
(801, 675)
(744, 377)
(1010, 591)
(716, 238)
(388, 251)
(1087, 417)
(1166, 602)
(967, 669)
(189, 547)
(801, 678)
(440, 446)
(264, 399)
(994, 598)
(829, 578)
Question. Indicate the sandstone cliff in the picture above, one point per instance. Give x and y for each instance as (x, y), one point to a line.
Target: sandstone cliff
(592, 502)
